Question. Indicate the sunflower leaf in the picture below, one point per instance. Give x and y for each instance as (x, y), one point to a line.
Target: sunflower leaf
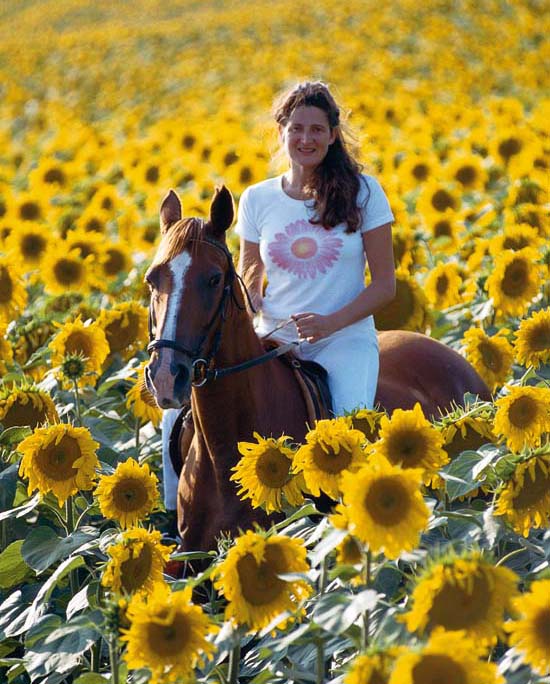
(42, 547)
(22, 510)
(8, 485)
(13, 568)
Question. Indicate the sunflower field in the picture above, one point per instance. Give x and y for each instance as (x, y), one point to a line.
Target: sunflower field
(433, 565)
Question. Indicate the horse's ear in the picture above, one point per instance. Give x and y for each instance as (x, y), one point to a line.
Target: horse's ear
(170, 211)
(221, 211)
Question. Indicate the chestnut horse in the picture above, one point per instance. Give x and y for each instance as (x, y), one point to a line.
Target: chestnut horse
(201, 331)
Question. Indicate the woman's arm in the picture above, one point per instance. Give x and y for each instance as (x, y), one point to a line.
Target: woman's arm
(251, 270)
(380, 291)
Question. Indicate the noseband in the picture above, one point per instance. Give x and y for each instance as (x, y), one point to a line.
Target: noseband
(202, 362)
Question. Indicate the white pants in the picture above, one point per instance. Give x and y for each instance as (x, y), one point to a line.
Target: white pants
(350, 357)
(169, 477)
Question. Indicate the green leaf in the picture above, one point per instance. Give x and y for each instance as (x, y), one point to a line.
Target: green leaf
(326, 545)
(336, 612)
(92, 678)
(13, 568)
(13, 435)
(459, 474)
(8, 485)
(43, 548)
(192, 555)
(22, 510)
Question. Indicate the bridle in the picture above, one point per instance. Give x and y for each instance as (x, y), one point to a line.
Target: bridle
(202, 362)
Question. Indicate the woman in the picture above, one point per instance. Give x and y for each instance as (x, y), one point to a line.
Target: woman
(309, 231)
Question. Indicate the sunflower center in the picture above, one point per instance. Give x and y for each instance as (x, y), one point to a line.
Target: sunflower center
(454, 607)
(387, 501)
(533, 491)
(490, 356)
(56, 460)
(54, 176)
(516, 276)
(466, 175)
(443, 200)
(30, 211)
(152, 174)
(471, 441)
(542, 628)
(515, 243)
(350, 551)
(230, 158)
(406, 447)
(259, 582)
(94, 225)
(79, 343)
(114, 262)
(442, 229)
(67, 271)
(122, 331)
(442, 285)
(397, 314)
(522, 412)
(168, 640)
(329, 461)
(509, 147)
(437, 668)
(135, 571)
(20, 413)
(539, 338)
(362, 424)
(420, 171)
(85, 248)
(245, 174)
(272, 468)
(32, 246)
(6, 285)
(129, 494)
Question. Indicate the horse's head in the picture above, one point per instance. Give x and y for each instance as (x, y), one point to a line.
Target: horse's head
(191, 281)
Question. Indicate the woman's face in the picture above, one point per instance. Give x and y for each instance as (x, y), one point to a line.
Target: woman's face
(306, 136)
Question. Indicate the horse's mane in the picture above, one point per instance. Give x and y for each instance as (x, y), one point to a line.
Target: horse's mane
(177, 238)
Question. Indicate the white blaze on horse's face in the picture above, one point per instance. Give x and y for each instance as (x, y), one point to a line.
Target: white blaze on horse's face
(178, 266)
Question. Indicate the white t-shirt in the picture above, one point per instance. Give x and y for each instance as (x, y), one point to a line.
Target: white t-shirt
(308, 268)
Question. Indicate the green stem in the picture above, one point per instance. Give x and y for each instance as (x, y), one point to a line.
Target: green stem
(113, 657)
(69, 516)
(513, 553)
(368, 582)
(77, 403)
(234, 662)
(136, 435)
(320, 678)
(95, 656)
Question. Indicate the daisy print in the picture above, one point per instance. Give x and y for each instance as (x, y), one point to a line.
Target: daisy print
(305, 249)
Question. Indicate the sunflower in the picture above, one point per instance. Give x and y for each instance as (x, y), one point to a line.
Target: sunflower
(368, 422)
(350, 551)
(515, 237)
(442, 286)
(408, 309)
(436, 196)
(60, 459)
(444, 229)
(167, 634)
(449, 657)
(532, 343)
(115, 259)
(264, 473)
(129, 494)
(385, 507)
(140, 401)
(29, 207)
(13, 295)
(125, 326)
(530, 632)
(524, 499)
(65, 271)
(136, 562)
(467, 433)
(467, 593)
(250, 578)
(26, 406)
(523, 416)
(371, 668)
(6, 354)
(28, 242)
(87, 340)
(468, 170)
(515, 280)
(491, 355)
(409, 440)
(330, 449)
(86, 243)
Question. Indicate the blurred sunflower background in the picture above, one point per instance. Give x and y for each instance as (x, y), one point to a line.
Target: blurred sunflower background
(441, 572)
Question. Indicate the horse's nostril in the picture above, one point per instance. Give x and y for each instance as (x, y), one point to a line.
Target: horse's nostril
(166, 403)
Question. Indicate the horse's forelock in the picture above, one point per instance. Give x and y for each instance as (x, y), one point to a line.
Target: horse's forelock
(177, 239)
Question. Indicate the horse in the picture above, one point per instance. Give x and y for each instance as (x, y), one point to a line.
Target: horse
(205, 352)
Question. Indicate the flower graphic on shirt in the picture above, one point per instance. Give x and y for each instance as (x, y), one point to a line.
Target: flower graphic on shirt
(305, 249)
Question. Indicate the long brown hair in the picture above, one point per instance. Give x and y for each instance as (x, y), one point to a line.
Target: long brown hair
(335, 182)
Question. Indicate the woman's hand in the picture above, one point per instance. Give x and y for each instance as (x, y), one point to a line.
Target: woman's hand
(313, 327)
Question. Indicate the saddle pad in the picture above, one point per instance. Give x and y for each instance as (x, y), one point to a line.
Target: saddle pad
(313, 381)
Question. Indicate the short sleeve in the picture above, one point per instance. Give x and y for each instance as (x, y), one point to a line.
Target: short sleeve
(374, 204)
(246, 227)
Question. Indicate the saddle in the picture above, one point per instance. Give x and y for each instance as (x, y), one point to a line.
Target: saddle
(312, 379)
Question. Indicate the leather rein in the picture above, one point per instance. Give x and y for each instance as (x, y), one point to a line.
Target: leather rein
(203, 363)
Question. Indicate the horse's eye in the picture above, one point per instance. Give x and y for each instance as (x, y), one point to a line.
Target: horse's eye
(215, 280)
